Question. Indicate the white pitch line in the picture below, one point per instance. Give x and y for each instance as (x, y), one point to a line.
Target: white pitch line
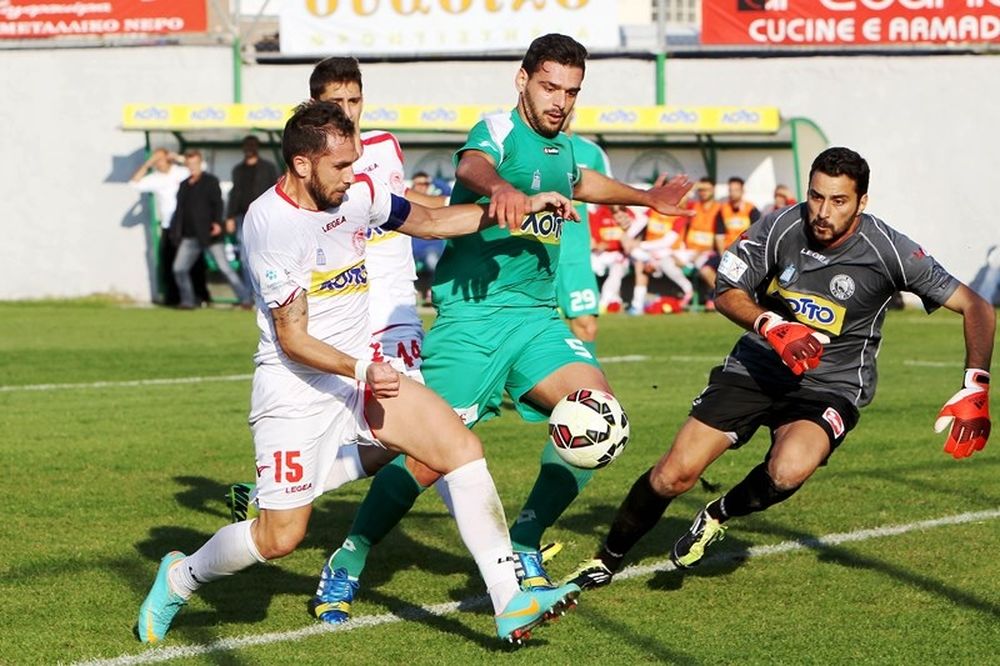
(169, 381)
(818, 543)
(930, 364)
(631, 358)
(173, 381)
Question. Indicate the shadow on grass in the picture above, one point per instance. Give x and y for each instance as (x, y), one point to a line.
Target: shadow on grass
(247, 598)
(603, 623)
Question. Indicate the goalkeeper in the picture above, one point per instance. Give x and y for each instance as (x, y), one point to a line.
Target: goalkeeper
(811, 283)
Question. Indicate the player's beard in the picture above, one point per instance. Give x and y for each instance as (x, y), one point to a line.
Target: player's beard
(537, 119)
(323, 197)
(835, 237)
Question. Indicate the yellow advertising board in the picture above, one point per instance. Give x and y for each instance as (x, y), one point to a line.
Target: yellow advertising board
(460, 118)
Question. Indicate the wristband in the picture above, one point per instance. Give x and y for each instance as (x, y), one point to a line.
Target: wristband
(361, 370)
(764, 321)
(976, 378)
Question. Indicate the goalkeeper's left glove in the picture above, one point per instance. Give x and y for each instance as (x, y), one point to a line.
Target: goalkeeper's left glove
(968, 414)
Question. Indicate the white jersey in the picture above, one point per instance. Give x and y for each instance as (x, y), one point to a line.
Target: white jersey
(291, 250)
(163, 186)
(391, 270)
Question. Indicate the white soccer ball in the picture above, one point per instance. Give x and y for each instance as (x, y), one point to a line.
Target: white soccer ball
(589, 428)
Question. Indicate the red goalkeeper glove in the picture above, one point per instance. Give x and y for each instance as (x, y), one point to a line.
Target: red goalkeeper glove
(799, 347)
(968, 414)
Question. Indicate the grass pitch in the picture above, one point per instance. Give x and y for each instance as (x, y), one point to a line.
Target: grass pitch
(107, 470)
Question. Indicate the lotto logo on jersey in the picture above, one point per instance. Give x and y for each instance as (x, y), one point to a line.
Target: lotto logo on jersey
(545, 226)
(811, 310)
(340, 281)
(378, 234)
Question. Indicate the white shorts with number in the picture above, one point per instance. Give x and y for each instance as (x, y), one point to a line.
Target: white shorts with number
(299, 423)
(402, 342)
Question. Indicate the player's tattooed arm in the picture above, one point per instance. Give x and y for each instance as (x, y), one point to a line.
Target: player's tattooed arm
(291, 326)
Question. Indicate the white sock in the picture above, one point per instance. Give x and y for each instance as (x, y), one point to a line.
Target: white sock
(483, 527)
(442, 490)
(231, 549)
(639, 297)
(346, 468)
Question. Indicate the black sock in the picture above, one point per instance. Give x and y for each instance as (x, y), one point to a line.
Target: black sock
(637, 515)
(754, 493)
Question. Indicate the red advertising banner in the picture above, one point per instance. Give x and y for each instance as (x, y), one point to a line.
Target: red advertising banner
(849, 22)
(31, 19)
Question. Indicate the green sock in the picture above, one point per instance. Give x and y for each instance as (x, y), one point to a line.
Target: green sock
(557, 485)
(590, 346)
(392, 494)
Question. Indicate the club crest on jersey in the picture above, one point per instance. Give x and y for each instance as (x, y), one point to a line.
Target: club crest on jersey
(358, 240)
(787, 276)
(320, 257)
(536, 180)
(809, 309)
(340, 281)
(842, 287)
(545, 226)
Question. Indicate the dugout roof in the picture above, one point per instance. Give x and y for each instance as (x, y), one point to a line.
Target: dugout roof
(709, 129)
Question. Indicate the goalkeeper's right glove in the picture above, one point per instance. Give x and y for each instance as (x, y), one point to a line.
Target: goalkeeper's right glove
(799, 346)
(968, 414)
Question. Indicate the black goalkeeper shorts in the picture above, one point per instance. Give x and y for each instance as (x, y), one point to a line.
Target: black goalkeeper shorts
(735, 404)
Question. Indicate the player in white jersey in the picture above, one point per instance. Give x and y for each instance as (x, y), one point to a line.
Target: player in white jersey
(397, 331)
(314, 390)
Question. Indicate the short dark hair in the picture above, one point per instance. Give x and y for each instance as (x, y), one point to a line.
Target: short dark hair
(554, 48)
(307, 131)
(737, 179)
(841, 161)
(706, 179)
(336, 69)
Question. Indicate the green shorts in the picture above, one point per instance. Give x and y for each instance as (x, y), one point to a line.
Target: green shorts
(471, 362)
(576, 289)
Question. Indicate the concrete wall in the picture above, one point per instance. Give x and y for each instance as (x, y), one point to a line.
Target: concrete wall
(71, 226)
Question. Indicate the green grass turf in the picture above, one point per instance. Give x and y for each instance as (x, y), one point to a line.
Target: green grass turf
(103, 480)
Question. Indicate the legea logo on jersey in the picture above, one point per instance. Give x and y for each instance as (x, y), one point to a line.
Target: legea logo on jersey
(811, 310)
(340, 281)
(545, 226)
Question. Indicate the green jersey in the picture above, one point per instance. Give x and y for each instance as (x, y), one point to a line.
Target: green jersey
(576, 237)
(498, 268)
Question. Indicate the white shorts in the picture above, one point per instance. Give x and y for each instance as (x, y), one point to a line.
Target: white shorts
(403, 342)
(299, 426)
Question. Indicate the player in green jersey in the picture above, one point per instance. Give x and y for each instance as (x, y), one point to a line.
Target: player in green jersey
(498, 328)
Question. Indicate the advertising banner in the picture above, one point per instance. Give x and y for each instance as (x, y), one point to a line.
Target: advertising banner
(29, 19)
(357, 27)
(460, 118)
(849, 22)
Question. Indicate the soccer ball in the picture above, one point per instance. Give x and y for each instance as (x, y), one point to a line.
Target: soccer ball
(589, 428)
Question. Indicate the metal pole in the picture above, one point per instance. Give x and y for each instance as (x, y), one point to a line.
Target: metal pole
(237, 55)
(661, 52)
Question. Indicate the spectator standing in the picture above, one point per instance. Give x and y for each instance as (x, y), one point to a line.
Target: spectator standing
(735, 216)
(251, 178)
(196, 227)
(160, 175)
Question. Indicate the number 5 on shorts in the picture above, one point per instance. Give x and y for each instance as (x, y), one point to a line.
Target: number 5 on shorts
(578, 348)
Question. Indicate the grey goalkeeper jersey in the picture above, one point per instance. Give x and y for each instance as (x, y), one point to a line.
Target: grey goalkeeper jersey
(843, 292)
